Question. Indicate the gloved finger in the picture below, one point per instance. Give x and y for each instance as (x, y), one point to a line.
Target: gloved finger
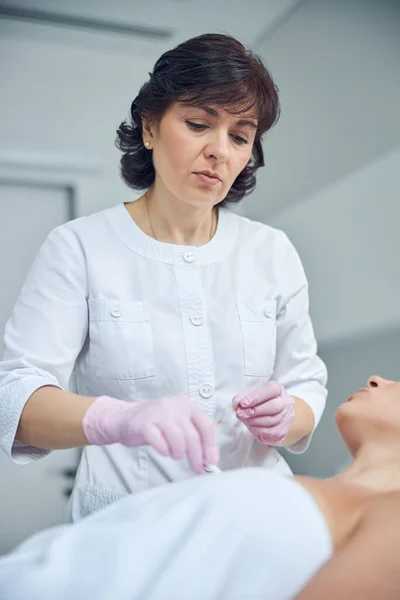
(270, 439)
(194, 449)
(205, 428)
(276, 432)
(269, 407)
(270, 389)
(265, 422)
(176, 440)
(154, 437)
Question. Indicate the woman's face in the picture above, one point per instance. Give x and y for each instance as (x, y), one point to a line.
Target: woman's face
(371, 413)
(199, 151)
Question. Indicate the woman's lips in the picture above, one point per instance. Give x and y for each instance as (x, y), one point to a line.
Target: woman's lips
(356, 393)
(207, 179)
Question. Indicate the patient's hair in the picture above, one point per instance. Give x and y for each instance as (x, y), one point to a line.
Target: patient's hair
(211, 69)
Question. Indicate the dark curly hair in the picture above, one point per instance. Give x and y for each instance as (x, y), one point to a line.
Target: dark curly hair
(211, 69)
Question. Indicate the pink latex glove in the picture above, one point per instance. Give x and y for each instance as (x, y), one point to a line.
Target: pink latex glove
(174, 426)
(267, 412)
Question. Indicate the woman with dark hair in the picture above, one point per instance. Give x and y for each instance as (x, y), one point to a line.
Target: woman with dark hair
(187, 326)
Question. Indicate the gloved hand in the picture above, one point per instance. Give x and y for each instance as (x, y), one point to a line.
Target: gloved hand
(174, 426)
(267, 412)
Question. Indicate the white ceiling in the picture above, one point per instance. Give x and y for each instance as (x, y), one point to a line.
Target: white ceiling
(248, 20)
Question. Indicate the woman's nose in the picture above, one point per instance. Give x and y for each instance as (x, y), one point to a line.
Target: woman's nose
(376, 381)
(219, 148)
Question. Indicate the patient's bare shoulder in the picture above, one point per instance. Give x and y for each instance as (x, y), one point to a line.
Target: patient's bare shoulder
(367, 566)
(341, 507)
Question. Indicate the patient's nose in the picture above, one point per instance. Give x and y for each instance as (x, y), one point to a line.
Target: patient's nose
(376, 381)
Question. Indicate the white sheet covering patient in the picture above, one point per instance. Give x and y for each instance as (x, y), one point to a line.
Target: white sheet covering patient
(232, 536)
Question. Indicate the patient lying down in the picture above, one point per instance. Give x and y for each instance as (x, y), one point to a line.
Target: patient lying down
(240, 534)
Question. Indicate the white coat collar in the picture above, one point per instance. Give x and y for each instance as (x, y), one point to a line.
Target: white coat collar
(214, 251)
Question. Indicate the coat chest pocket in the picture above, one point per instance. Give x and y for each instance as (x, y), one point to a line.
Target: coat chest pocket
(121, 342)
(258, 324)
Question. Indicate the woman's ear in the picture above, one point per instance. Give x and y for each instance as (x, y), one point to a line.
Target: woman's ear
(148, 130)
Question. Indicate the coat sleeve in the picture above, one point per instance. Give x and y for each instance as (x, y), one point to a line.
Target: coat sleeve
(297, 366)
(44, 335)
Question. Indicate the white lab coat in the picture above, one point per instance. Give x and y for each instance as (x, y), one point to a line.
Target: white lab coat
(138, 319)
(243, 535)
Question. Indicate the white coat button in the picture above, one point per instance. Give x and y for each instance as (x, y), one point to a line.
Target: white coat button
(268, 313)
(197, 319)
(206, 390)
(116, 311)
(189, 257)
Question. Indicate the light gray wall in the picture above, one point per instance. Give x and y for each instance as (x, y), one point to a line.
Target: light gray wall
(348, 238)
(66, 101)
(336, 63)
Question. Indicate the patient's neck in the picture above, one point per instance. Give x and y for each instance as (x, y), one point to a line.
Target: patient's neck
(375, 469)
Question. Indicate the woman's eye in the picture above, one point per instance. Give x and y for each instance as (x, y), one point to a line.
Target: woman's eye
(196, 126)
(239, 139)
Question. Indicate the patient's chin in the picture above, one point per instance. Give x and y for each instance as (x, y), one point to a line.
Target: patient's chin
(343, 418)
(341, 412)
(350, 426)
